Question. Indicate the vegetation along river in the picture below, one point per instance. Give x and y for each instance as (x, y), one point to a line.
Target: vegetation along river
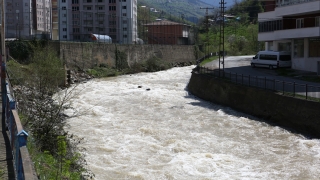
(160, 131)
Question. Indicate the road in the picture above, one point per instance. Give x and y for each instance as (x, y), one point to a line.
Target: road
(239, 70)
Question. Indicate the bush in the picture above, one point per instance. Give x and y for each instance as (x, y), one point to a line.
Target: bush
(155, 64)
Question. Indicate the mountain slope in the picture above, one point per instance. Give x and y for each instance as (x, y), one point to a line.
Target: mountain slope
(184, 9)
(216, 2)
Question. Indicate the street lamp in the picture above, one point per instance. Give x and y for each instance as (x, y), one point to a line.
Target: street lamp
(17, 25)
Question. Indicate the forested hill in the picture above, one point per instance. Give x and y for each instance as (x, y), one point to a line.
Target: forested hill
(216, 2)
(185, 9)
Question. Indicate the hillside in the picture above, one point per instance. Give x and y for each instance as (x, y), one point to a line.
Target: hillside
(216, 2)
(184, 9)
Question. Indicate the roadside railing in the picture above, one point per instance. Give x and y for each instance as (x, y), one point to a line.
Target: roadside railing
(17, 137)
(294, 89)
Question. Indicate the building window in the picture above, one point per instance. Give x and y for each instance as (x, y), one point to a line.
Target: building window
(64, 8)
(63, 1)
(299, 23)
(124, 7)
(314, 44)
(100, 8)
(89, 8)
(317, 21)
(89, 29)
(298, 48)
(100, 1)
(100, 22)
(76, 30)
(112, 1)
(112, 8)
(64, 22)
(64, 36)
(64, 15)
(75, 1)
(124, 36)
(124, 14)
(124, 22)
(75, 8)
(64, 29)
(89, 1)
(124, 29)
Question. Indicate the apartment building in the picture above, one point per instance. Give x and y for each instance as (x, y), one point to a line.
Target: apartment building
(115, 18)
(55, 20)
(292, 25)
(28, 18)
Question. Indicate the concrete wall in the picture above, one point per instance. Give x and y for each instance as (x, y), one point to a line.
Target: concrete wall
(88, 55)
(300, 115)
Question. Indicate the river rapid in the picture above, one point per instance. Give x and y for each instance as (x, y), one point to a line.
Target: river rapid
(160, 131)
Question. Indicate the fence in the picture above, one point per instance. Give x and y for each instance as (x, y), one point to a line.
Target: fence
(307, 91)
(17, 136)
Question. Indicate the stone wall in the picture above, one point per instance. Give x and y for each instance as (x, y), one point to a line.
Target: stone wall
(296, 114)
(88, 55)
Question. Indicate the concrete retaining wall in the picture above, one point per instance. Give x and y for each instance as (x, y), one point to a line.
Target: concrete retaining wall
(300, 115)
(88, 55)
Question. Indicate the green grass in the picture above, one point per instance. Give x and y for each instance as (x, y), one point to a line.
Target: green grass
(285, 72)
(1, 173)
(49, 167)
(298, 96)
(213, 58)
(311, 78)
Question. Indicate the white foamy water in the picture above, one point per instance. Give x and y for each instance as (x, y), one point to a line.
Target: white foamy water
(166, 133)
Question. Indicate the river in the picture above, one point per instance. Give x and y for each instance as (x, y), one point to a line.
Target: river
(147, 126)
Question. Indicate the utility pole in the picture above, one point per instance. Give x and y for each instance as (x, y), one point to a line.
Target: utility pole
(221, 41)
(3, 58)
(207, 26)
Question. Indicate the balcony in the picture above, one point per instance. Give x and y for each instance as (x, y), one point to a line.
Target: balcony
(289, 34)
(294, 7)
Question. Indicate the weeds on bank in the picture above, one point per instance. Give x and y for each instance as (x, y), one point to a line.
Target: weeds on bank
(213, 58)
(298, 96)
(1, 173)
(151, 65)
(60, 166)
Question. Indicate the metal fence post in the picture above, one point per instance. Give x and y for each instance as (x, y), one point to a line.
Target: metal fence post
(306, 91)
(21, 140)
(294, 89)
(242, 79)
(236, 78)
(282, 87)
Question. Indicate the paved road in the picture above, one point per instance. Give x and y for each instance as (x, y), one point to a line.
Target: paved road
(264, 77)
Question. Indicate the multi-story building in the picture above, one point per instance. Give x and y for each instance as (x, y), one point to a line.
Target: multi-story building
(115, 18)
(28, 18)
(292, 25)
(55, 20)
(168, 32)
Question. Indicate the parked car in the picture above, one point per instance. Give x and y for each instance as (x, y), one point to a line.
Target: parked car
(272, 59)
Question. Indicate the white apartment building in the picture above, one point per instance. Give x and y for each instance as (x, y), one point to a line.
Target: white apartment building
(115, 18)
(293, 25)
(28, 18)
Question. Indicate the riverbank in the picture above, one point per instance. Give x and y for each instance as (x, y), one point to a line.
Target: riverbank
(294, 114)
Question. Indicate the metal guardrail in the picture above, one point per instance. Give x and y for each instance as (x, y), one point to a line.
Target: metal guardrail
(307, 91)
(17, 137)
